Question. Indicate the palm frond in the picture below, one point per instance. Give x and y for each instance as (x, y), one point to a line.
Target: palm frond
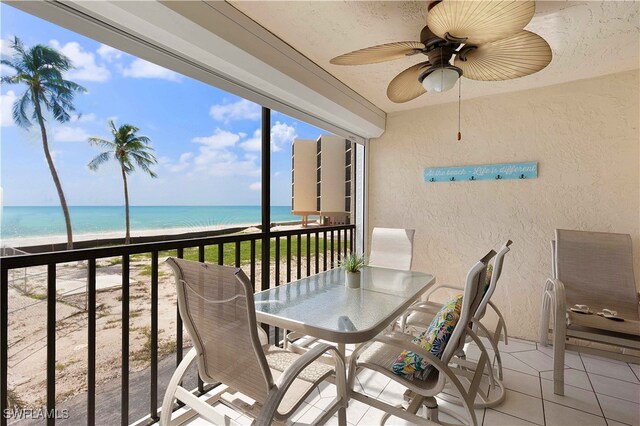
(99, 160)
(20, 110)
(101, 142)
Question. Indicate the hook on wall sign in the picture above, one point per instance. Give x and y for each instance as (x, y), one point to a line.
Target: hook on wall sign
(498, 177)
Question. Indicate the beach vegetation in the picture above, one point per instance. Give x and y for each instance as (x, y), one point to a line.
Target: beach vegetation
(40, 68)
(130, 150)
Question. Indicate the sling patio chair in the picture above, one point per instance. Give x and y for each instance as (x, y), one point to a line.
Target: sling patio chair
(217, 308)
(386, 351)
(418, 317)
(593, 269)
(391, 248)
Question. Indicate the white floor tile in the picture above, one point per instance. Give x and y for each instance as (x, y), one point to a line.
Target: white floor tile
(636, 369)
(496, 418)
(614, 423)
(373, 416)
(577, 398)
(515, 345)
(609, 368)
(559, 415)
(355, 411)
(309, 416)
(535, 359)
(620, 410)
(473, 353)
(571, 359)
(372, 383)
(512, 363)
(299, 412)
(523, 406)
(572, 377)
(445, 404)
(521, 382)
(616, 388)
(393, 393)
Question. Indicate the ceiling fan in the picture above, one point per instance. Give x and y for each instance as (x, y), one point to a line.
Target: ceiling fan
(486, 37)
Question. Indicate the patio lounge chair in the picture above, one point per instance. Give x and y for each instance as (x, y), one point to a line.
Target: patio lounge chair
(593, 269)
(391, 248)
(419, 316)
(217, 307)
(380, 354)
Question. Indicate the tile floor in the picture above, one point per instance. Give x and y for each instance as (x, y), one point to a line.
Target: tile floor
(598, 391)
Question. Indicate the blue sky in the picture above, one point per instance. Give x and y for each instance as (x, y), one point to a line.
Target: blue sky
(207, 141)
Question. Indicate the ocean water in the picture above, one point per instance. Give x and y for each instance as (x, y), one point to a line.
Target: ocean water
(19, 222)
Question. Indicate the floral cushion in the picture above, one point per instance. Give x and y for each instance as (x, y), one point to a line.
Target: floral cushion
(487, 281)
(409, 364)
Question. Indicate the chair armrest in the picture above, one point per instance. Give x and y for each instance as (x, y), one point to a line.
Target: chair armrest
(293, 371)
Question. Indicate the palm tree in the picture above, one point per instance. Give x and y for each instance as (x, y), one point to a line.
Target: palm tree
(129, 150)
(40, 68)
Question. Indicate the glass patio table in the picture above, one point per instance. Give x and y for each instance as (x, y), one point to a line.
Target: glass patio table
(321, 306)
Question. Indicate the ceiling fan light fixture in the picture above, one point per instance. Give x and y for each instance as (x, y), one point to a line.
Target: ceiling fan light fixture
(440, 79)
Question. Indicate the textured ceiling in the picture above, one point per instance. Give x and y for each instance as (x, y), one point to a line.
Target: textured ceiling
(588, 39)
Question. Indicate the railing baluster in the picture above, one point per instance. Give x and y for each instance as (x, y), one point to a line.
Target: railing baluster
(91, 343)
(179, 337)
(308, 253)
(238, 254)
(339, 245)
(288, 258)
(51, 342)
(252, 259)
(298, 257)
(277, 280)
(201, 259)
(276, 331)
(124, 391)
(332, 251)
(153, 408)
(344, 253)
(4, 343)
(351, 240)
(220, 254)
(317, 252)
(324, 243)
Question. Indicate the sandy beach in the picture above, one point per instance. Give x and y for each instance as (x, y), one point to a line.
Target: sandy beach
(62, 238)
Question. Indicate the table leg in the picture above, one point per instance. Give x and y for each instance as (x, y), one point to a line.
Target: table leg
(342, 412)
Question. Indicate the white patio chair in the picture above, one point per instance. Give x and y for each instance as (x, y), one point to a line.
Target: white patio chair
(391, 248)
(380, 354)
(593, 269)
(420, 315)
(217, 308)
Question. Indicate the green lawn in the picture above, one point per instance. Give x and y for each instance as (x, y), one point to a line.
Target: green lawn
(211, 252)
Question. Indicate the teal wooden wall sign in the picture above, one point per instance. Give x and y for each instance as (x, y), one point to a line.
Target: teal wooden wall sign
(482, 172)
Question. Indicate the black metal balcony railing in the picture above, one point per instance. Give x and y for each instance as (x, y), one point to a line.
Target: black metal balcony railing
(336, 241)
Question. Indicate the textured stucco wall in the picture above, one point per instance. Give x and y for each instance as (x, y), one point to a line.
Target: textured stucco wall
(584, 136)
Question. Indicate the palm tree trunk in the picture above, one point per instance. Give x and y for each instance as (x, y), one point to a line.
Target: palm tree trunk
(127, 235)
(54, 173)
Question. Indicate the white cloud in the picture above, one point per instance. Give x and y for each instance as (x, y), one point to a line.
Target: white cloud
(109, 53)
(253, 144)
(219, 139)
(182, 164)
(140, 68)
(241, 110)
(5, 47)
(255, 186)
(83, 118)
(281, 134)
(6, 108)
(84, 62)
(70, 134)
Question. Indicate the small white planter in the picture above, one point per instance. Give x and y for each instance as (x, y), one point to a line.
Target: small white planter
(353, 280)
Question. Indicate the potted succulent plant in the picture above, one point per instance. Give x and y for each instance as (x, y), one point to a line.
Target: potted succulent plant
(352, 264)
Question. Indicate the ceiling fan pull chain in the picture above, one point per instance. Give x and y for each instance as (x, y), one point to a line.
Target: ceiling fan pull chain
(459, 101)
